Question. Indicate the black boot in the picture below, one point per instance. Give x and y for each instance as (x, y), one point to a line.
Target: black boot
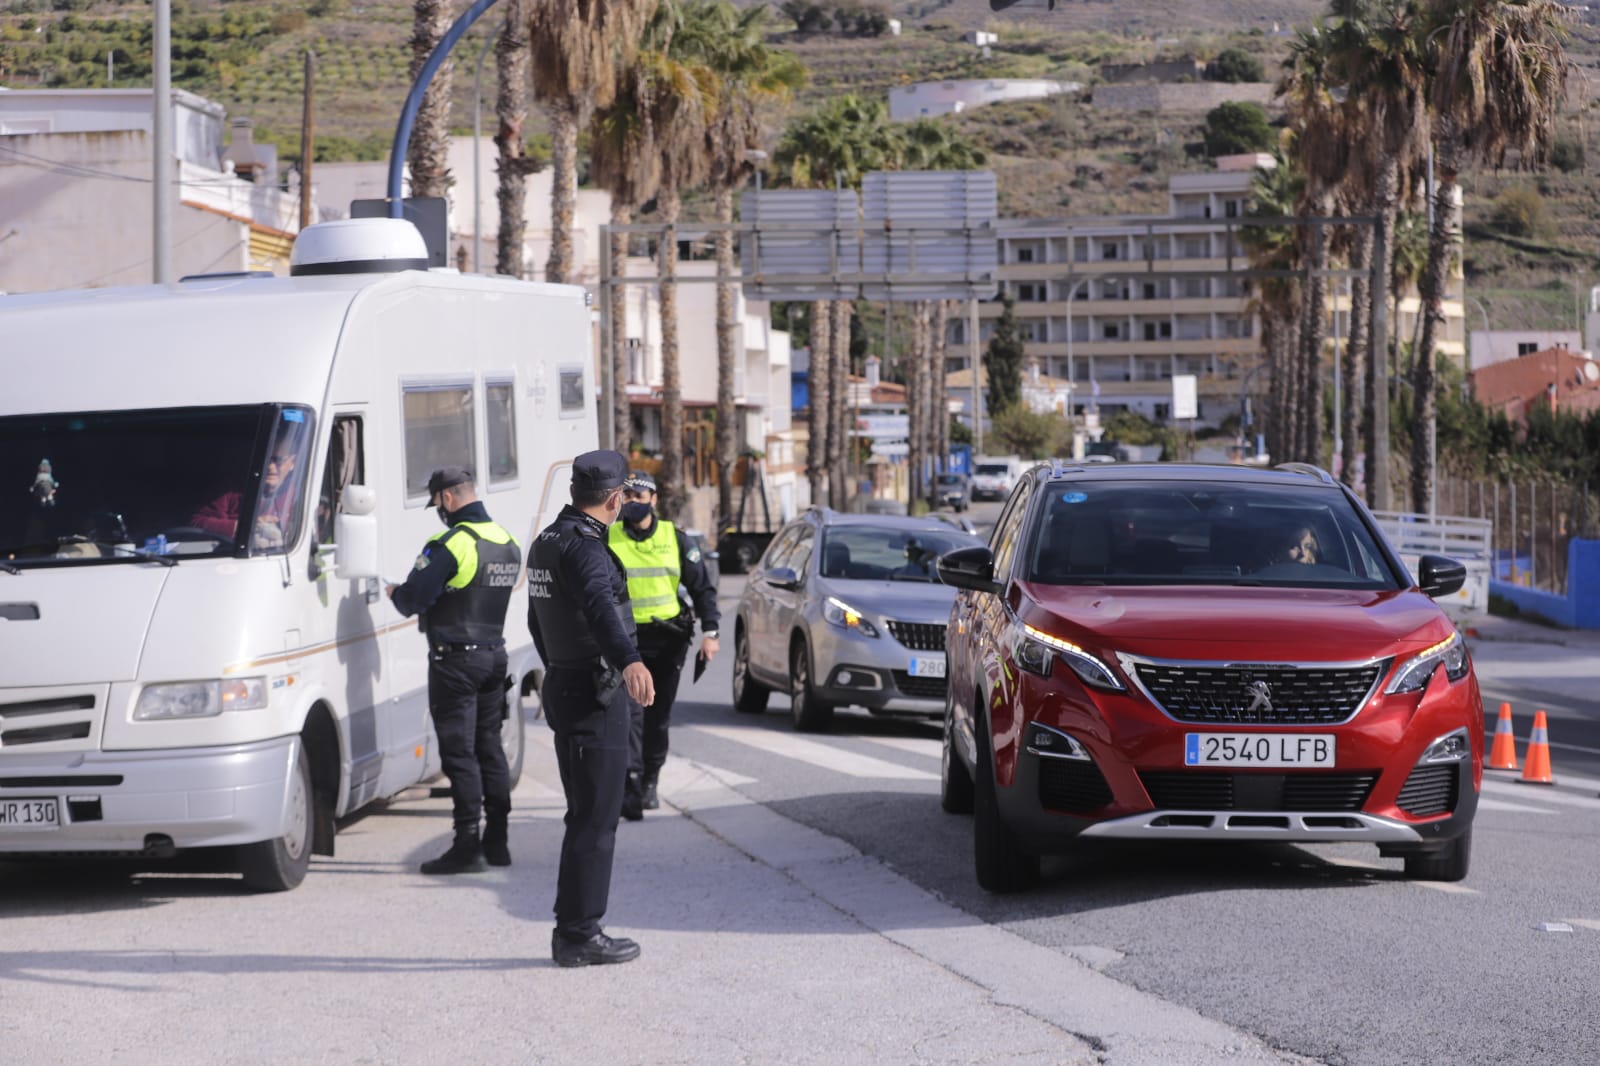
(598, 950)
(651, 800)
(495, 850)
(464, 857)
(632, 798)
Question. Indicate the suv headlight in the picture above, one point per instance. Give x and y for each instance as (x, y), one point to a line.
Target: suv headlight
(1414, 675)
(200, 699)
(839, 613)
(1036, 648)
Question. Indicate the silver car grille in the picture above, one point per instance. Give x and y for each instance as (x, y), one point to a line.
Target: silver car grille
(1257, 693)
(919, 636)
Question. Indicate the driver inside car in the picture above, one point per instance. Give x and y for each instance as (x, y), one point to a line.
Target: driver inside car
(275, 507)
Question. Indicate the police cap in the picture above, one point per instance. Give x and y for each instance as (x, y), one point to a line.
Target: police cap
(599, 471)
(447, 477)
(640, 480)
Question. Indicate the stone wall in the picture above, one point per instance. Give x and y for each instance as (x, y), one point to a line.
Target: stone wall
(1199, 96)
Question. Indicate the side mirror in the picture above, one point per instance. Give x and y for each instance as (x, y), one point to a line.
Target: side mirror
(355, 535)
(1439, 576)
(969, 568)
(781, 577)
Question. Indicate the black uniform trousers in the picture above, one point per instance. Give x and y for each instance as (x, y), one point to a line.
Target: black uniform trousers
(467, 699)
(590, 723)
(663, 649)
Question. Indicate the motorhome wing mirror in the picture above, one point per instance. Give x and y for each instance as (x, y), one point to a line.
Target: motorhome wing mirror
(356, 544)
(358, 500)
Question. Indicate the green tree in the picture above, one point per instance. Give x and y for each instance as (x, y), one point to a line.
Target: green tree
(1002, 360)
(1020, 431)
(1235, 128)
(1237, 65)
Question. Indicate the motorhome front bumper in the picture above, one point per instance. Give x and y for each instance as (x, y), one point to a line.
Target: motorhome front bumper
(145, 801)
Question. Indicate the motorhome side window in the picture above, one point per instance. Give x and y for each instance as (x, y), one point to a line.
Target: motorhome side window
(116, 486)
(501, 402)
(346, 466)
(439, 429)
(572, 398)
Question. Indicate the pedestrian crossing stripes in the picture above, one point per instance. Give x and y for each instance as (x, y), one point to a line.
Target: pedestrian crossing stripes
(815, 753)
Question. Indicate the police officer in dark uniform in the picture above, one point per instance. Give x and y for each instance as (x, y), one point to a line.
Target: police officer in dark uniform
(659, 558)
(580, 618)
(461, 586)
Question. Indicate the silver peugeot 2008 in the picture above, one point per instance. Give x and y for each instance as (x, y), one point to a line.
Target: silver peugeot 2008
(847, 609)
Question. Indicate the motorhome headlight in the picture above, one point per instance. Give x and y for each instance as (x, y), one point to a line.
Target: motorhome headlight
(1413, 675)
(200, 699)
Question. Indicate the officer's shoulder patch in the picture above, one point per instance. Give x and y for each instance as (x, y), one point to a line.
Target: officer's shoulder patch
(422, 562)
(694, 555)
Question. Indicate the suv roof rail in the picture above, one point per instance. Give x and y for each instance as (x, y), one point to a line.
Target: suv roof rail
(1308, 468)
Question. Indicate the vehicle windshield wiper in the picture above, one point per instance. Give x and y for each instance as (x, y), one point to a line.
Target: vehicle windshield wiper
(8, 568)
(120, 549)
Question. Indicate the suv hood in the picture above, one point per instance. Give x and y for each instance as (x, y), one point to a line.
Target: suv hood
(1204, 623)
(90, 627)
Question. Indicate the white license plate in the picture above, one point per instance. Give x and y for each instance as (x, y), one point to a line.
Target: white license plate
(927, 667)
(1258, 749)
(30, 814)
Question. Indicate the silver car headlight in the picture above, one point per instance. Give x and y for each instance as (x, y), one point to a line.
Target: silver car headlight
(839, 613)
(1414, 675)
(200, 699)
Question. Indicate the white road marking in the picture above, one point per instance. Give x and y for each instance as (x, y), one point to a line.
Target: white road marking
(915, 745)
(824, 756)
(1448, 887)
(1587, 923)
(1541, 794)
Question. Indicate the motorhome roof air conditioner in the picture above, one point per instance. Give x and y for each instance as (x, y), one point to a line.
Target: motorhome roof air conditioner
(358, 246)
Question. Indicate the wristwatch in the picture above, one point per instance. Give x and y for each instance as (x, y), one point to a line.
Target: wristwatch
(710, 634)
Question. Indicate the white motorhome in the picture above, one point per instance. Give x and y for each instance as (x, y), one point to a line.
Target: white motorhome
(204, 486)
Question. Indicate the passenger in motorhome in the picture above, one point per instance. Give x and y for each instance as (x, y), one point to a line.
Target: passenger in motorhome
(277, 503)
(461, 586)
(582, 622)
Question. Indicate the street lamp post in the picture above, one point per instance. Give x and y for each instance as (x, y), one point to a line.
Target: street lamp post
(1072, 375)
(477, 151)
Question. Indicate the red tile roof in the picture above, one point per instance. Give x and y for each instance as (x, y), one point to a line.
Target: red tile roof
(1563, 379)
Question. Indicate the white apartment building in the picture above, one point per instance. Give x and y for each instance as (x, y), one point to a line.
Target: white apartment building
(1118, 305)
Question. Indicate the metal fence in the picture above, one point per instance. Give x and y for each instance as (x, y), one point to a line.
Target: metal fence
(1532, 522)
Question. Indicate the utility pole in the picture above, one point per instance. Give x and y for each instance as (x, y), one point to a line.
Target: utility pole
(307, 136)
(161, 144)
(977, 389)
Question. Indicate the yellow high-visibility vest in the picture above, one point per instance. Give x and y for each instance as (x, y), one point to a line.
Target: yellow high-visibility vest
(653, 571)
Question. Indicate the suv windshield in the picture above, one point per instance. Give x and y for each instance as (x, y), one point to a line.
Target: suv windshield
(1203, 533)
(869, 553)
(177, 482)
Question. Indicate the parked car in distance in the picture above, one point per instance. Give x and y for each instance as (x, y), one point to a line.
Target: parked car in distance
(993, 476)
(1166, 652)
(846, 609)
(951, 490)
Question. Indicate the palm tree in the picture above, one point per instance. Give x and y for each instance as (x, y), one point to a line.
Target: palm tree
(1377, 57)
(1501, 71)
(623, 161)
(511, 111)
(754, 78)
(577, 47)
(428, 153)
(1274, 194)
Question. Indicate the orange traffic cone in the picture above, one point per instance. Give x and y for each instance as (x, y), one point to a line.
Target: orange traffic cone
(1504, 754)
(1536, 771)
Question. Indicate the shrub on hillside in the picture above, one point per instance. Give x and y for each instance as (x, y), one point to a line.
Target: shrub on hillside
(1235, 128)
(1236, 65)
(1566, 155)
(1520, 212)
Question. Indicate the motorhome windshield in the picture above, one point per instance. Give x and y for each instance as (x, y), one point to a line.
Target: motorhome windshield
(174, 482)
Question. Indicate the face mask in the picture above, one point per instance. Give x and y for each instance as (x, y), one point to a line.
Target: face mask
(636, 512)
(444, 515)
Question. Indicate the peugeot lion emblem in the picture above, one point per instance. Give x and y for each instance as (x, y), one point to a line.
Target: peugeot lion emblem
(1260, 694)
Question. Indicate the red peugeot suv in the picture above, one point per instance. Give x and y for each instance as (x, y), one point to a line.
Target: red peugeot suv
(1178, 652)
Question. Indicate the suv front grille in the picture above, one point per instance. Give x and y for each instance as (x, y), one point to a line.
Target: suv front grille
(920, 688)
(918, 636)
(1259, 694)
(1429, 790)
(1208, 791)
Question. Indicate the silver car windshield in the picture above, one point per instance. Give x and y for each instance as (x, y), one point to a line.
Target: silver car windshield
(871, 553)
(1204, 533)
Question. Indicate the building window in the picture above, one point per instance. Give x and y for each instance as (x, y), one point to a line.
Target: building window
(1111, 331)
(1230, 208)
(1149, 290)
(1194, 288)
(1194, 248)
(502, 414)
(1108, 250)
(1526, 348)
(439, 431)
(1024, 255)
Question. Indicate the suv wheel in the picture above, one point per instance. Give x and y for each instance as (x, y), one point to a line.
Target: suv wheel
(955, 784)
(1000, 862)
(810, 714)
(1447, 864)
(749, 695)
